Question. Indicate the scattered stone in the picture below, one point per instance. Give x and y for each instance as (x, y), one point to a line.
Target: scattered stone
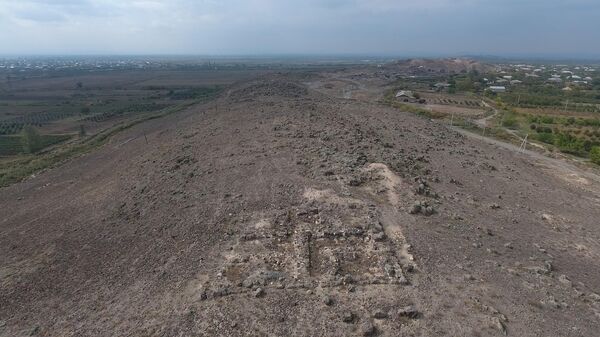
(327, 300)
(408, 311)
(594, 297)
(34, 331)
(469, 277)
(552, 303)
(422, 207)
(348, 317)
(495, 206)
(222, 291)
(492, 251)
(565, 280)
(380, 314)
(512, 271)
(379, 236)
(416, 208)
(203, 296)
(347, 279)
(259, 292)
(368, 329)
(499, 325)
(508, 245)
(262, 278)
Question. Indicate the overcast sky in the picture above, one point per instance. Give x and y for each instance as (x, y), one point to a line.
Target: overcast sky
(255, 27)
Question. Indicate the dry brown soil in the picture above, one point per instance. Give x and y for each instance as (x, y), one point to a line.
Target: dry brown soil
(283, 211)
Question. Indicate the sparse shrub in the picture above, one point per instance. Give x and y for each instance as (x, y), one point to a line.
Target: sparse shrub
(510, 121)
(569, 144)
(31, 139)
(595, 155)
(547, 119)
(547, 138)
(532, 126)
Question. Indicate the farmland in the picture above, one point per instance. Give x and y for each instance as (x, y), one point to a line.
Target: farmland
(68, 110)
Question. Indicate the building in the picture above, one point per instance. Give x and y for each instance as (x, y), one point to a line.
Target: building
(404, 93)
(406, 96)
(497, 88)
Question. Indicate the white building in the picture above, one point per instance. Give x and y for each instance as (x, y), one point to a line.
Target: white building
(497, 88)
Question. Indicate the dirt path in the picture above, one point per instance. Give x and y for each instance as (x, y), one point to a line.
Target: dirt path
(588, 179)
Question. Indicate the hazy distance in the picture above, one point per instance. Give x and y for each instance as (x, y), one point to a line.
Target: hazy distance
(541, 28)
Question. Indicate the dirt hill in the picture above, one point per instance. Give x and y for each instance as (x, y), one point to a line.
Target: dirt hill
(280, 211)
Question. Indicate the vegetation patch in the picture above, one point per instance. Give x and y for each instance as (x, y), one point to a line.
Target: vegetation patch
(15, 170)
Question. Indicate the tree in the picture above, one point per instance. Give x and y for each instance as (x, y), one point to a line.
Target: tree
(31, 139)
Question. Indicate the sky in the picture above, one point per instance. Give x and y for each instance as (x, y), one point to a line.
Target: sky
(306, 27)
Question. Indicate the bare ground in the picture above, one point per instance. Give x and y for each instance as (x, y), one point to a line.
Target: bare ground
(286, 212)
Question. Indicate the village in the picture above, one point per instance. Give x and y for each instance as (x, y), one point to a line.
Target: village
(555, 106)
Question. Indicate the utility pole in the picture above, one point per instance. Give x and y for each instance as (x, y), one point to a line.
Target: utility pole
(523, 144)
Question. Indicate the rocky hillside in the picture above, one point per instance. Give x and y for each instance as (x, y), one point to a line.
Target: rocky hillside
(280, 211)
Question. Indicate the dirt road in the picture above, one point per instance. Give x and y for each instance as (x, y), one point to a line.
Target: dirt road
(582, 177)
(287, 212)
